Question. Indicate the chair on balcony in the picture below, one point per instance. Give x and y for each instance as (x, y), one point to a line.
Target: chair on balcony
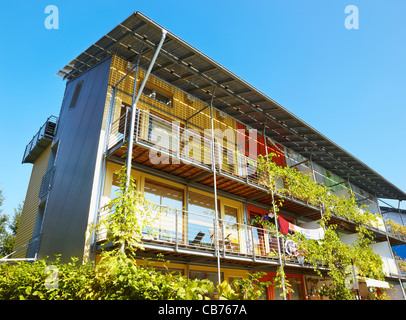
(222, 240)
(197, 240)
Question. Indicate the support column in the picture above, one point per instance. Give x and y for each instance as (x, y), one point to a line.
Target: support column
(277, 240)
(216, 218)
(134, 105)
(276, 222)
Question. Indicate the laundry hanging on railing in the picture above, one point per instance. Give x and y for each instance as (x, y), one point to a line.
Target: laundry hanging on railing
(376, 283)
(314, 234)
(285, 227)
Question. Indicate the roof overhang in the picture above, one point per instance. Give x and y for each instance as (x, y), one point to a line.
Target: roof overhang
(183, 66)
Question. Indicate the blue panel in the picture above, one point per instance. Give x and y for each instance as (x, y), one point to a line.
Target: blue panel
(400, 251)
(67, 209)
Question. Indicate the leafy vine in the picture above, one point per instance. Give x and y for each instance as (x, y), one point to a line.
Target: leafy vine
(336, 257)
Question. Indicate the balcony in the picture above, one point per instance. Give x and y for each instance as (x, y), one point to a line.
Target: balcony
(40, 141)
(193, 235)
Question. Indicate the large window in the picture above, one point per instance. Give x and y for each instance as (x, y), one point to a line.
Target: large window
(115, 186)
(125, 116)
(200, 219)
(167, 221)
(163, 194)
(163, 133)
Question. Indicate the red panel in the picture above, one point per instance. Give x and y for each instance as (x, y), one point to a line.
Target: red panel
(252, 209)
(243, 142)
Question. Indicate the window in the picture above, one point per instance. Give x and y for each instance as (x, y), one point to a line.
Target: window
(210, 275)
(169, 197)
(201, 204)
(231, 226)
(115, 186)
(260, 236)
(75, 96)
(157, 95)
(200, 219)
(296, 286)
(164, 195)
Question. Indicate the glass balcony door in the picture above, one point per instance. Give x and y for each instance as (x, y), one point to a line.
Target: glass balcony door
(168, 222)
(232, 231)
(200, 220)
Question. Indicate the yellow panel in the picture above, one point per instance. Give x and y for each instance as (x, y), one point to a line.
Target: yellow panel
(30, 208)
(111, 169)
(182, 106)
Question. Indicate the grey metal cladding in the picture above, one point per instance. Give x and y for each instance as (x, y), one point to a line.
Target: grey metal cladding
(66, 216)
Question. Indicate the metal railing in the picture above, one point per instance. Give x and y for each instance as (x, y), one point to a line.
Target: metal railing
(185, 145)
(46, 182)
(398, 235)
(31, 250)
(196, 233)
(47, 131)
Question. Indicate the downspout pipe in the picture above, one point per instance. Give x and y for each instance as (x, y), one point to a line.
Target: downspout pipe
(216, 219)
(134, 105)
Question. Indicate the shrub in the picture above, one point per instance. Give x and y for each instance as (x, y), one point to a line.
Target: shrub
(116, 277)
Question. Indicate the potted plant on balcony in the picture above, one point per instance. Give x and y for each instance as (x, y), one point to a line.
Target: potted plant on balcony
(301, 256)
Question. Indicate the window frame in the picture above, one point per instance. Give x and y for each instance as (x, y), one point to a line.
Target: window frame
(75, 96)
(158, 91)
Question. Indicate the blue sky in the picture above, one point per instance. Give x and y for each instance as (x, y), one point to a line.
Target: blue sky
(347, 84)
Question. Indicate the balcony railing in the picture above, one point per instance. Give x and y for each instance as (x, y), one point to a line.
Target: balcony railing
(41, 140)
(186, 232)
(188, 146)
(194, 233)
(396, 230)
(46, 182)
(30, 250)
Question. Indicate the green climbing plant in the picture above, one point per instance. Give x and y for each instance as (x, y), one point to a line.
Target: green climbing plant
(397, 229)
(128, 216)
(329, 256)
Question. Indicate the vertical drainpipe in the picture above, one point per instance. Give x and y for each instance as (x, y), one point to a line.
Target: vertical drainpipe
(216, 218)
(276, 223)
(102, 173)
(136, 75)
(134, 105)
(277, 240)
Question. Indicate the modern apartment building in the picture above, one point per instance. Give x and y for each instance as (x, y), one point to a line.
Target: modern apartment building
(192, 139)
